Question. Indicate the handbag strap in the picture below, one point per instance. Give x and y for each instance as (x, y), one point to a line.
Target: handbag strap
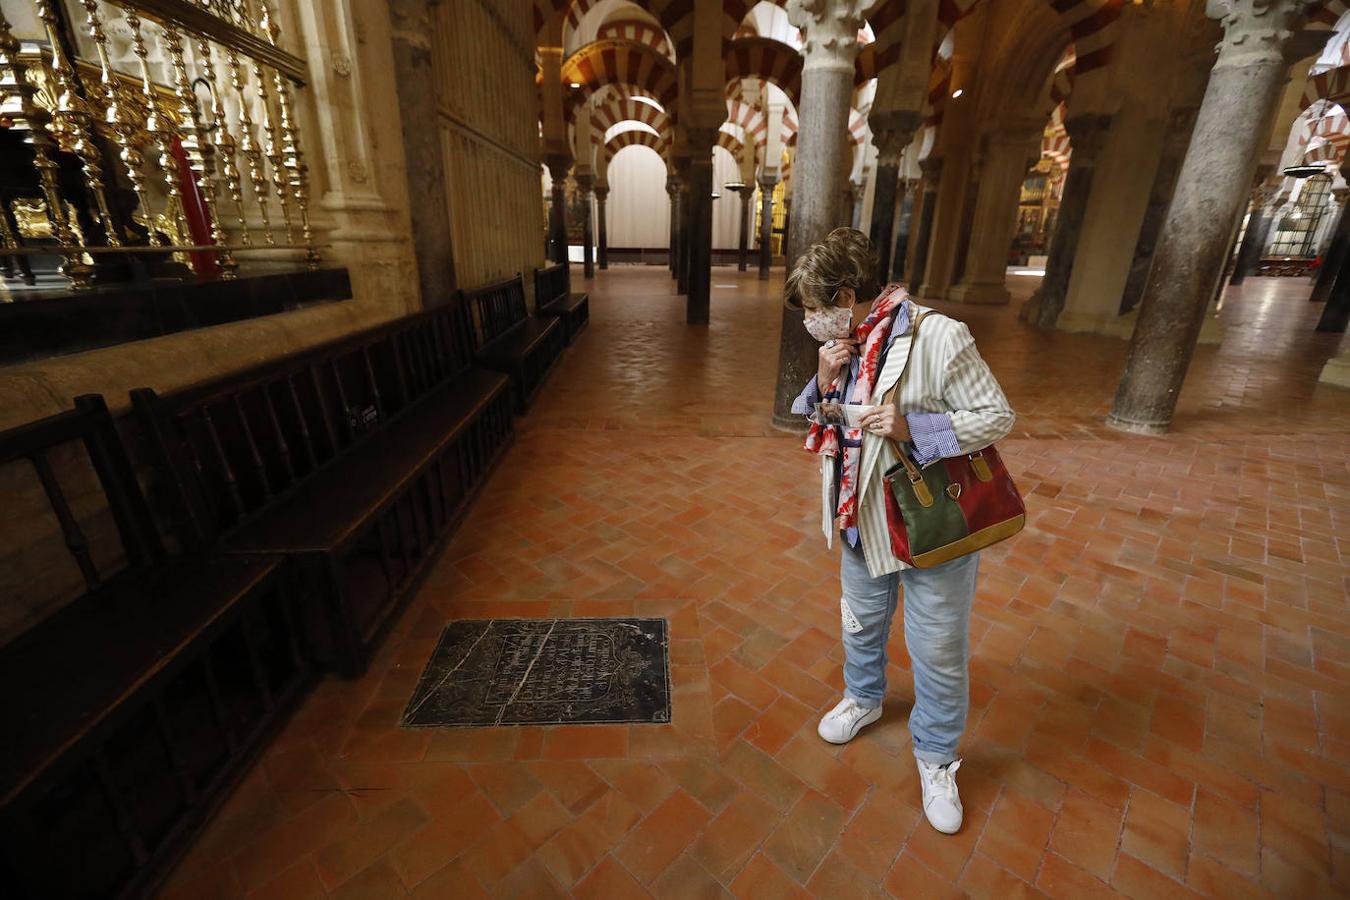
(912, 470)
(914, 339)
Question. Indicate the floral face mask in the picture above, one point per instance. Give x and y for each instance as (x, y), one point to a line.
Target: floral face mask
(829, 323)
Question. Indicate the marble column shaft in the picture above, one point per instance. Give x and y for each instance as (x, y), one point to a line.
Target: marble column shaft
(1336, 314)
(601, 193)
(904, 226)
(747, 196)
(1254, 241)
(699, 232)
(880, 230)
(1181, 123)
(1335, 253)
(1211, 190)
(558, 167)
(928, 194)
(766, 186)
(1087, 136)
(585, 185)
(673, 192)
(830, 47)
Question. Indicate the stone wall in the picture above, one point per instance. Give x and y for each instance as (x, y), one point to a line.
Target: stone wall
(483, 59)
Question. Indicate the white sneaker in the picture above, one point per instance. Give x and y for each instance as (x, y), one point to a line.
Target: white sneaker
(941, 802)
(844, 721)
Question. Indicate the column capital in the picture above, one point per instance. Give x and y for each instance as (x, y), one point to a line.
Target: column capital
(674, 184)
(1261, 31)
(829, 31)
(601, 192)
(892, 132)
(585, 182)
(931, 167)
(767, 182)
(1087, 137)
(559, 164)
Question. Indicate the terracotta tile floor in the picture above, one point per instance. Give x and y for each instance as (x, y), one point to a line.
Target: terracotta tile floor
(1161, 673)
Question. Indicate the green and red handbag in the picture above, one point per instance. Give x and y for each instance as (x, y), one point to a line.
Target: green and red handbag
(951, 507)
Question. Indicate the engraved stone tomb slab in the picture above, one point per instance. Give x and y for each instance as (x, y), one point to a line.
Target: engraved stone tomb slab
(545, 672)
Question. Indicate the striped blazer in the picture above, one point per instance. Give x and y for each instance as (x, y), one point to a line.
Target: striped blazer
(947, 376)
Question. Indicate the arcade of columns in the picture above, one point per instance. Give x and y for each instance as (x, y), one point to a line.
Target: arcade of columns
(1169, 110)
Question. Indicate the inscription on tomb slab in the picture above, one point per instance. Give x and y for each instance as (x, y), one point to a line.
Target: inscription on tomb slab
(545, 671)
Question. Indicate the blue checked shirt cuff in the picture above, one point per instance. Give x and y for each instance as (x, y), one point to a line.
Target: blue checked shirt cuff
(932, 436)
(806, 401)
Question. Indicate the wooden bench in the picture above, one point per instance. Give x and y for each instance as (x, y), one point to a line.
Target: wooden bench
(129, 713)
(553, 297)
(354, 460)
(508, 339)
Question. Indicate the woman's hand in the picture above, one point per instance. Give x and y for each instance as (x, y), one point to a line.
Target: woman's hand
(886, 421)
(833, 356)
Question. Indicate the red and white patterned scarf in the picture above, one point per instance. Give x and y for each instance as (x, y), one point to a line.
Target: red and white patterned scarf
(872, 335)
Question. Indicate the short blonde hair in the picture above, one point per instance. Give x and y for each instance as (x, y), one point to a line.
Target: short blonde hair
(846, 258)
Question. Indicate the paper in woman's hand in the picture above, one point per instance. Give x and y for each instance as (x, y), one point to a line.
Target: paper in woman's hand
(832, 413)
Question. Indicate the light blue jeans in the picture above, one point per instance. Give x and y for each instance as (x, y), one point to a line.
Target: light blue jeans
(937, 633)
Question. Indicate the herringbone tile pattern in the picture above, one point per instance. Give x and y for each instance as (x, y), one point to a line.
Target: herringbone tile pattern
(1161, 673)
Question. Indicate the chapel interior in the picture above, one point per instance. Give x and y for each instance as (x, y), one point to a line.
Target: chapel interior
(400, 494)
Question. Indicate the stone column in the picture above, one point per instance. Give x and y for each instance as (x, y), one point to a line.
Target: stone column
(682, 266)
(892, 132)
(766, 186)
(830, 46)
(1087, 135)
(746, 193)
(903, 229)
(1336, 249)
(1178, 139)
(428, 197)
(1244, 89)
(673, 192)
(1005, 156)
(585, 184)
(931, 167)
(558, 166)
(1256, 236)
(1336, 314)
(602, 192)
(699, 233)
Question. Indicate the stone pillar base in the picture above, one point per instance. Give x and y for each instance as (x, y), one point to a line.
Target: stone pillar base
(980, 292)
(1211, 330)
(1337, 371)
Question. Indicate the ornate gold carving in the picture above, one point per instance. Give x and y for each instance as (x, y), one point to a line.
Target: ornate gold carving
(75, 117)
(116, 115)
(197, 144)
(293, 158)
(248, 145)
(17, 93)
(30, 216)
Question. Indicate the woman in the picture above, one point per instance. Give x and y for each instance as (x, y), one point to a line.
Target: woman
(949, 404)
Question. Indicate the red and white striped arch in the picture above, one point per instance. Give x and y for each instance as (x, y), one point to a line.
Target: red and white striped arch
(1325, 133)
(728, 142)
(639, 32)
(750, 120)
(637, 138)
(1055, 140)
(618, 63)
(608, 114)
(765, 58)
